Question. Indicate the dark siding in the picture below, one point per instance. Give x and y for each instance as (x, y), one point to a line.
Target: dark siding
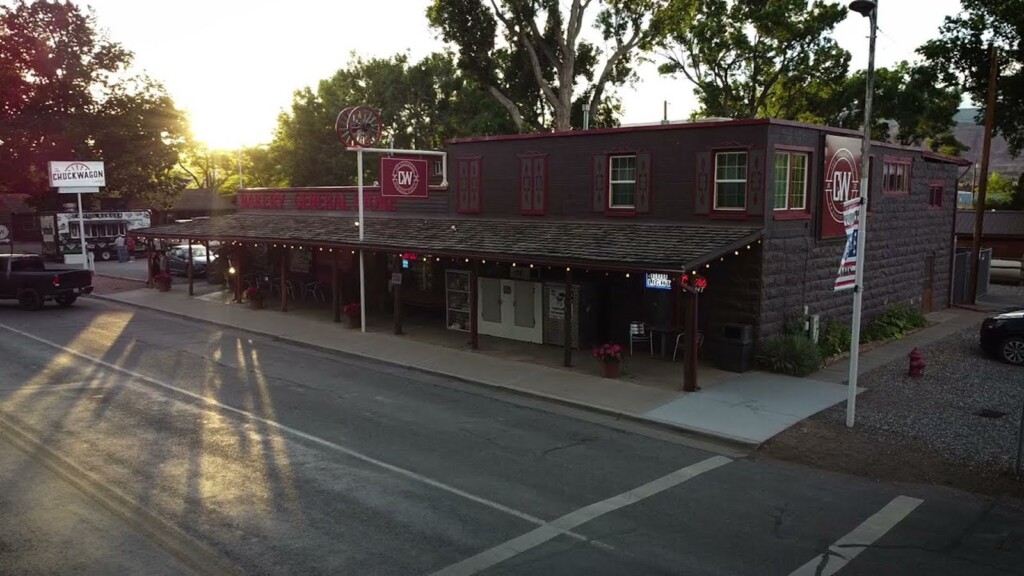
(799, 269)
(571, 168)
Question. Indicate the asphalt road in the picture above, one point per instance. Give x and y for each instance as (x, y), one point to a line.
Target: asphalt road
(233, 453)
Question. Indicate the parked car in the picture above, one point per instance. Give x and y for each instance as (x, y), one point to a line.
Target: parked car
(24, 277)
(1003, 337)
(177, 260)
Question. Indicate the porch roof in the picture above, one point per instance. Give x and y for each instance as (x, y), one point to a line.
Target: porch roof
(601, 244)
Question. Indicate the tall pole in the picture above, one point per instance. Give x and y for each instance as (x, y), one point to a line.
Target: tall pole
(81, 233)
(979, 205)
(362, 253)
(862, 217)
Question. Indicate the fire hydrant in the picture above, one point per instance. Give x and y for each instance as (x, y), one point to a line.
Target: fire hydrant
(916, 363)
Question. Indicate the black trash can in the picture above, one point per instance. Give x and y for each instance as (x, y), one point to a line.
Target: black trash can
(733, 349)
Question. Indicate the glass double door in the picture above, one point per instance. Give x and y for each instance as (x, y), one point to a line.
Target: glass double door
(511, 309)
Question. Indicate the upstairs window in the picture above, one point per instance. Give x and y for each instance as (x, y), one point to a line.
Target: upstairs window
(896, 175)
(730, 181)
(622, 182)
(790, 181)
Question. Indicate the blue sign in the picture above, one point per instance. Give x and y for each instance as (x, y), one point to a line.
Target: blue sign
(658, 281)
(405, 263)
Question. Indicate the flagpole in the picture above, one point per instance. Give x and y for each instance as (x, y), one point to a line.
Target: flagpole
(867, 8)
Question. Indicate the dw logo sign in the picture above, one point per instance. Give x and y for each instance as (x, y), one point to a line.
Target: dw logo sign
(842, 183)
(403, 178)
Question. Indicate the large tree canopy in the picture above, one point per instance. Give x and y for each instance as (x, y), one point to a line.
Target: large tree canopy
(66, 94)
(531, 55)
(421, 106)
(960, 57)
(745, 57)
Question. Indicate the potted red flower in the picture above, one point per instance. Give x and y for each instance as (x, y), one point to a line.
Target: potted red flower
(254, 295)
(610, 355)
(162, 281)
(354, 313)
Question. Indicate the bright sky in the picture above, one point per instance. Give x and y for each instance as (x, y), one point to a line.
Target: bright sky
(234, 64)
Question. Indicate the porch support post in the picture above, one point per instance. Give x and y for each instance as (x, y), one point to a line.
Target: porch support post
(690, 370)
(149, 264)
(398, 303)
(474, 299)
(284, 279)
(335, 288)
(191, 291)
(568, 318)
(238, 272)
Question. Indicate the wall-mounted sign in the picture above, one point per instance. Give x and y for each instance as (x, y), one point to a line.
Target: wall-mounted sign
(403, 178)
(556, 303)
(334, 201)
(842, 182)
(4, 232)
(658, 281)
(76, 174)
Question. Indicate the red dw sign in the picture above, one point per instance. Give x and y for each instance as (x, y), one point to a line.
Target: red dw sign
(403, 178)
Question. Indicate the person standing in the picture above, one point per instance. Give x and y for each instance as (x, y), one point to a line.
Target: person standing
(122, 252)
(130, 246)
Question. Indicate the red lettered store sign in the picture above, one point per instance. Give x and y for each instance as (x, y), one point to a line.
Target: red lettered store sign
(403, 178)
(842, 182)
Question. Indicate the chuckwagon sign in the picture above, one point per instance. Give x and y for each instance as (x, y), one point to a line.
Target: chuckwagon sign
(403, 178)
(76, 174)
(842, 183)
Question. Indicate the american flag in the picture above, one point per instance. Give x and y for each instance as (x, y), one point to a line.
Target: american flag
(846, 278)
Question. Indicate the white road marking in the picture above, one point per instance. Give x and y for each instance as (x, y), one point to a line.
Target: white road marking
(848, 547)
(516, 546)
(309, 437)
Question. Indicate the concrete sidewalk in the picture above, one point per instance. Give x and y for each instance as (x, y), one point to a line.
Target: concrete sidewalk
(747, 408)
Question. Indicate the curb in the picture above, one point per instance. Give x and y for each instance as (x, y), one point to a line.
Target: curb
(734, 442)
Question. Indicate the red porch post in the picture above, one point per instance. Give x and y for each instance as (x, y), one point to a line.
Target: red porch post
(690, 374)
(567, 317)
(336, 288)
(191, 292)
(474, 298)
(284, 279)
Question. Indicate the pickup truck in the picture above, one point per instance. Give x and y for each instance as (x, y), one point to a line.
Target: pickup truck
(24, 277)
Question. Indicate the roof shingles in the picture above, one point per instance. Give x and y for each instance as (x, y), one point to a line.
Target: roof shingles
(673, 246)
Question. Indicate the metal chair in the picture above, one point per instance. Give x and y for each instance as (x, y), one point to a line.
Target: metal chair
(638, 332)
(679, 343)
(315, 290)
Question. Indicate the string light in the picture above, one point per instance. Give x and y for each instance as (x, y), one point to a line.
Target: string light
(748, 246)
(736, 252)
(567, 268)
(707, 265)
(627, 274)
(513, 264)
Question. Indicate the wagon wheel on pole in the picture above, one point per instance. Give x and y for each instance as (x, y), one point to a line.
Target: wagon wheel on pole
(364, 126)
(341, 126)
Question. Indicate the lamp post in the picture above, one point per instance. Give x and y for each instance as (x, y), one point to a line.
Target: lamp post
(868, 8)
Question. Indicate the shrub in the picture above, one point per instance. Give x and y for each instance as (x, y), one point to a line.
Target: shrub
(897, 320)
(796, 323)
(835, 338)
(795, 355)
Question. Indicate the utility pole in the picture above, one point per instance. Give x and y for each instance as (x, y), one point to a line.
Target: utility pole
(979, 205)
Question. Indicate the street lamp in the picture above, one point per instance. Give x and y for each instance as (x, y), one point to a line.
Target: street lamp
(868, 8)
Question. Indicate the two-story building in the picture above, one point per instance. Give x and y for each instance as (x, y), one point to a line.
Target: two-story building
(752, 207)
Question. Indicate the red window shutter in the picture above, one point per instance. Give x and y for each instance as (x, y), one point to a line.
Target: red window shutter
(526, 185)
(600, 183)
(702, 196)
(643, 182)
(755, 182)
(474, 185)
(462, 202)
(540, 185)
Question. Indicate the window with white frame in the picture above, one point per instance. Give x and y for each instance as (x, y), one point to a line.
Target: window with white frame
(622, 181)
(730, 181)
(896, 176)
(790, 181)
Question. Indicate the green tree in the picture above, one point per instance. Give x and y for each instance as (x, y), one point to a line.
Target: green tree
(1002, 192)
(65, 94)
(531, 56)
(421, 106)
(960, 57)
(745, 58)
(907, 96)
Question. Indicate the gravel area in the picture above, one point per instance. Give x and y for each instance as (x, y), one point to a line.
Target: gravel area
(923, 430)
(942, 409)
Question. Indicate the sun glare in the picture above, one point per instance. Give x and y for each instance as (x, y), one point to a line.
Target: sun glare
(220, 129)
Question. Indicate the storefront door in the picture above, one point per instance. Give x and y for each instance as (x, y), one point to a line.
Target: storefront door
(511, 309)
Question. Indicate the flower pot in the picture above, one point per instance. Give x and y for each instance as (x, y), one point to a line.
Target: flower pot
(256, 303)
(610, 369)
(354, 322)
(164, 286)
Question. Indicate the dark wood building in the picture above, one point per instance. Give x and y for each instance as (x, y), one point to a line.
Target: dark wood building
(622, 215)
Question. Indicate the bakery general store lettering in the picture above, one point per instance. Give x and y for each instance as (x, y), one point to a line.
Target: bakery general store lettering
(315, 201)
